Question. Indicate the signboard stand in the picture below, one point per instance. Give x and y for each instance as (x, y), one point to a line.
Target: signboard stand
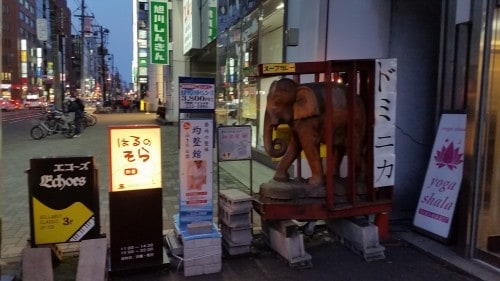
(200, 237)
(234, 144)
(136, 229)
(64, 200)
(197, 97)
(135, 197)
(438, 199)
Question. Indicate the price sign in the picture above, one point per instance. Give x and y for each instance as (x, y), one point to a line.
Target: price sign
(196, 93)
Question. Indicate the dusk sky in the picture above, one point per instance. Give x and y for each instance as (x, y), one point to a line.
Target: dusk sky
(116, 16)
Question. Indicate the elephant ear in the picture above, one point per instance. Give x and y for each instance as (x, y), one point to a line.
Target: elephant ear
(306, 103)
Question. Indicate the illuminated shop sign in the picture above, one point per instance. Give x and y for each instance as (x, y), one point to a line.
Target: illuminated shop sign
(135, 157)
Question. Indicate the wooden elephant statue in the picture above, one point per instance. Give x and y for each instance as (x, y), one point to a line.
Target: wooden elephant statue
(302, 107)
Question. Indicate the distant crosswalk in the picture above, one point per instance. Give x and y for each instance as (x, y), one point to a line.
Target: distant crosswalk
(20, 115)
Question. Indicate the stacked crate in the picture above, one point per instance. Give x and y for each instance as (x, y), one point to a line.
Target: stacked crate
(197, 247)
(235, 211)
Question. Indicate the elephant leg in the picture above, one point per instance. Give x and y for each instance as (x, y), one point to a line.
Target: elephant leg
(293, 149)
(310, 140)
(314, 160)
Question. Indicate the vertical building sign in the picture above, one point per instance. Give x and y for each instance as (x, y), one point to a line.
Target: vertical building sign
(196, 171)
(438, 198)
(159, 31)
(191, 22)
(212, 20)
(39, 67)
(24, 64)
(384, 156)
(42, 29)
(187, 23)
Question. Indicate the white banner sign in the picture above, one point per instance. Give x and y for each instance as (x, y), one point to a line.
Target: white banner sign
(384, 132)
(440, 190)
(196, 170)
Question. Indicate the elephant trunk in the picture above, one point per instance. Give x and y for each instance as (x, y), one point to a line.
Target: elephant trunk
(274, 147)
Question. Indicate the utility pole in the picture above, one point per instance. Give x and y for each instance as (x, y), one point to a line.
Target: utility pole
(103, 66)
(54, 27)
(82, 51)
(83, 23)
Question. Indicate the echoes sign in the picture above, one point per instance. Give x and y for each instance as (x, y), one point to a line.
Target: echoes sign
(64, 199)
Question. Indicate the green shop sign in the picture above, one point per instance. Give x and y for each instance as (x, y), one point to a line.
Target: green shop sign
(158, 32)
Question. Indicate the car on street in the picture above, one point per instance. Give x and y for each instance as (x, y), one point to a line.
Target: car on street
(17, 104)
(9, 105)
(35, 101)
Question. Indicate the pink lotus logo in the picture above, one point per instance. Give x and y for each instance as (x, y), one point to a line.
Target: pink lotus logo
(448, 156)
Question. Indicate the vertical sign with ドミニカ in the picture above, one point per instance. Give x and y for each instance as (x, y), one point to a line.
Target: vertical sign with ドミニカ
(135, 198)
(384, 131)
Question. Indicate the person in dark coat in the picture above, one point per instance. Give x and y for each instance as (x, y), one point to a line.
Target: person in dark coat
(76, 105)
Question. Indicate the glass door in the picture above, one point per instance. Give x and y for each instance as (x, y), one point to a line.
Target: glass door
(488, 220)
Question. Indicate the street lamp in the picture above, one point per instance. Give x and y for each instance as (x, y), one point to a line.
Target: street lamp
(111, 77)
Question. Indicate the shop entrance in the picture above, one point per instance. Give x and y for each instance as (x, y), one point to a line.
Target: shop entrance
(488, 220)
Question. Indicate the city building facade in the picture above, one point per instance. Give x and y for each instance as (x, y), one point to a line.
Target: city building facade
(36, 41)
(446, 54)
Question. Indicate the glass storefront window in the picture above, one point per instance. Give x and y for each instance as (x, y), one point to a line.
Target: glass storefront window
(270, 46)
(488, 223)
(255, 38)
(228, 70)
(248, 85)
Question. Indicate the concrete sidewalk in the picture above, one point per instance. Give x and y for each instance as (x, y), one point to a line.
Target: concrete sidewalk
(409, 256)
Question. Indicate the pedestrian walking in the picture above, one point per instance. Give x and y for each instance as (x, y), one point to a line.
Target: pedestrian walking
(126, 105)
(146, 102)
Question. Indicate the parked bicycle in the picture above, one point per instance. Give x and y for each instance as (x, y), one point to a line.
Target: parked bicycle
(54, 122)
(88, 120)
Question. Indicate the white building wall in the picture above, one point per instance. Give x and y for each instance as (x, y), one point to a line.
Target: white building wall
(155, 85)
(357, 29)
(309, 17)
(178, 60)
(135, 49)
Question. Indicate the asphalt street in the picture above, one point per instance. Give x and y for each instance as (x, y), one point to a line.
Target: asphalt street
(331, 260)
